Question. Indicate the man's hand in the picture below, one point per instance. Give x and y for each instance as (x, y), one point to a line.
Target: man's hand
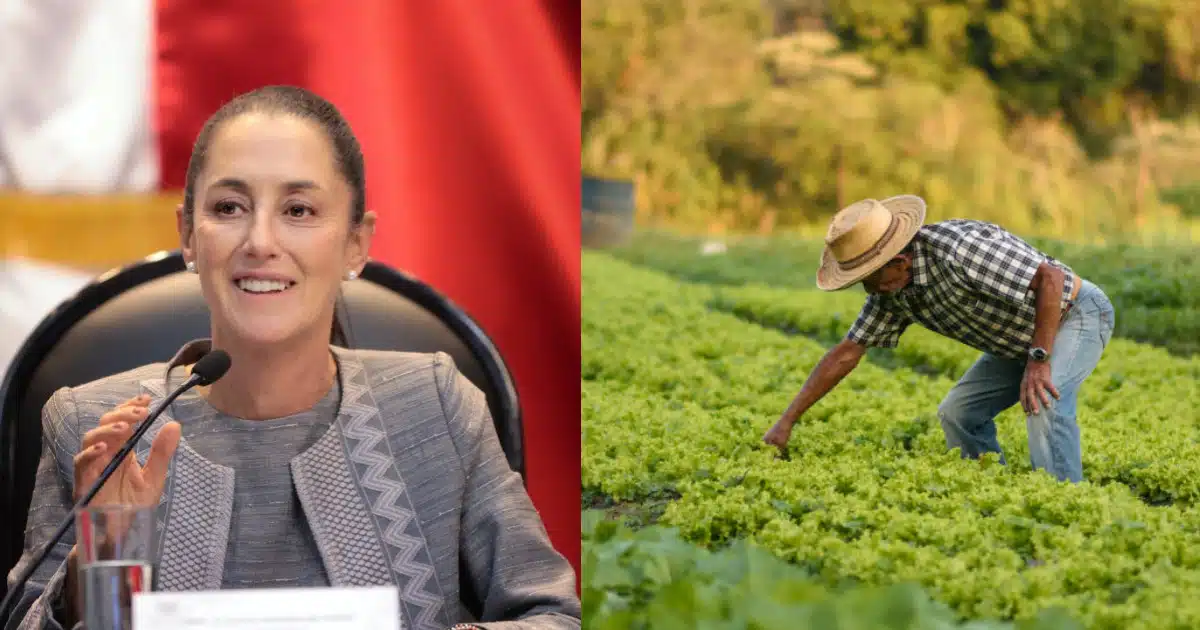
(1037, 387)
(830, 370)
(779, 434)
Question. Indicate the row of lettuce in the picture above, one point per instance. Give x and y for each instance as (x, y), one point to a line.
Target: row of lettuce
(679, 381)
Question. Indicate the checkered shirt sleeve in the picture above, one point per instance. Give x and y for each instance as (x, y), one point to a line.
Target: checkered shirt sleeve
(877, 325)
(998, 263)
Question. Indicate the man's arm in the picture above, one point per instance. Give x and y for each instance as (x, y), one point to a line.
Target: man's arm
(1038, 385)
(876, 326)
(831, 369)
(1047, 285)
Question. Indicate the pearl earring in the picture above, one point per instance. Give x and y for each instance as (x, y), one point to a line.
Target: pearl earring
(352, 274)
(191, 266)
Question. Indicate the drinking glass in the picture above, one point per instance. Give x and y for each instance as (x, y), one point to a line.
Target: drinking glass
(114, 562)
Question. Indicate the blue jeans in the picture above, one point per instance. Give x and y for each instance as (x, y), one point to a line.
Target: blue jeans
(993, 384)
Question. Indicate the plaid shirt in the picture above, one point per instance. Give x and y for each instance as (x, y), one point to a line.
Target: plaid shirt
(970, 282)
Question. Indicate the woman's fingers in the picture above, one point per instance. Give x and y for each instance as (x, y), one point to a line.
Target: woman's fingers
(138, 401)
(103, 442)
(90, 455)
(108, 434)
(116, 425)
(161, 452)
(128, 410)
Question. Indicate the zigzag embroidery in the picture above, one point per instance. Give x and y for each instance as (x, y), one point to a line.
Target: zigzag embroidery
(365, 439)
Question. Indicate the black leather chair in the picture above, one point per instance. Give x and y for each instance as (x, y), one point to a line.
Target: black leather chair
(142, 313)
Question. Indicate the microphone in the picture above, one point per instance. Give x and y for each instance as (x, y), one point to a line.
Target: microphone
(206, 371)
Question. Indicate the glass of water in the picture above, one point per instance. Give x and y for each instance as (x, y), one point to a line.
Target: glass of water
(114, 562)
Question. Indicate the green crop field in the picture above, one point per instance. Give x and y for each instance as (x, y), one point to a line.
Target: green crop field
(687, 359)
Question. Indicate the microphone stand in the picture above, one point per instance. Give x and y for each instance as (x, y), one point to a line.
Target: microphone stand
(19, 585)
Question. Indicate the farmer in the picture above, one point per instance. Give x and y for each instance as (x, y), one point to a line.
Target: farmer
(1040, 327)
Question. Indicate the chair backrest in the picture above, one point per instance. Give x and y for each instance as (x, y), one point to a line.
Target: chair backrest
(142, 313)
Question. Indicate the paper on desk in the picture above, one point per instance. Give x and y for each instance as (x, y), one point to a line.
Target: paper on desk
(368, 608)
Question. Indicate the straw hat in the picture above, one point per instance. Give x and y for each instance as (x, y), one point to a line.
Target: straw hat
(864, 236)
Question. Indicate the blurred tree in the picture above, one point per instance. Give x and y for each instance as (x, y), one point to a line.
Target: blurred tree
(724, 123)
(1088, 60)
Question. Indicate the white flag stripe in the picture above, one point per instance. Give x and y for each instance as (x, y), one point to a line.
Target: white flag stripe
(29, 290)
(76, 96)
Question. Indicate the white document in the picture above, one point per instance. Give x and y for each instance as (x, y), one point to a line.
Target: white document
(368, 608)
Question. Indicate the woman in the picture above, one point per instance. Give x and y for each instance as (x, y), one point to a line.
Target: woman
(306, 465)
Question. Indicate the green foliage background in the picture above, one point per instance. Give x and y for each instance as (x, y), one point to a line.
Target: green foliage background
(1043, 115)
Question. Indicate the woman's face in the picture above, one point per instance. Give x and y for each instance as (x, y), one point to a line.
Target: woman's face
(272, 236)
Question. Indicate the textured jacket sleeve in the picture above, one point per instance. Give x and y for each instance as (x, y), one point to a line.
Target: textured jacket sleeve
(520, 581)
(39, 607)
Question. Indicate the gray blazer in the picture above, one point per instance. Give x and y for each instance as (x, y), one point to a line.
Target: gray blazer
(409, 487)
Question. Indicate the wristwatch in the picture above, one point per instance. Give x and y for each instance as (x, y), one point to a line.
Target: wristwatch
(1038, 354)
